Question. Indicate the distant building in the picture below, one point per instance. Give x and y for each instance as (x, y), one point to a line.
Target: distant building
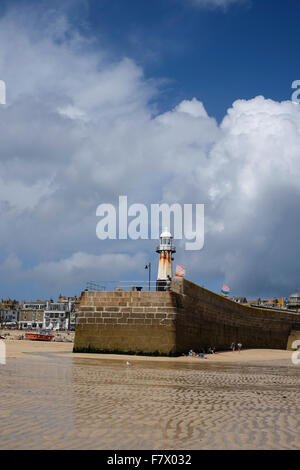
(9, 311)
(293, 302)
(9, 304)
(10, 316)
(30, 319)
(34, 304)
(61, 315)
(46, 314)
(74, 308)
(277, 303)
(31, 314)
(57, 316)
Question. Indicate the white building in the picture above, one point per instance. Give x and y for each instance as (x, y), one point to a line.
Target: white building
(58, 315)
(46, 314)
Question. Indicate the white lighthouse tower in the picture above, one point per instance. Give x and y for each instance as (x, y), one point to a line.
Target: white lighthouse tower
(165, 250)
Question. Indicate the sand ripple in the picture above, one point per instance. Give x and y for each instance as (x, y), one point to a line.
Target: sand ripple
(73, 403)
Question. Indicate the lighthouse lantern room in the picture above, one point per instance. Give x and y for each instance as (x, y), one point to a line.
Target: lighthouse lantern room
(165, 250)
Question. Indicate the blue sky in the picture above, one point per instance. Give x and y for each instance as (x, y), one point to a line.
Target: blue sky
(183, 101)
(214, 53)
(251, 48)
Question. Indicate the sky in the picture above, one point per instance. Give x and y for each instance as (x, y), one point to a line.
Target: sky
(168, 101)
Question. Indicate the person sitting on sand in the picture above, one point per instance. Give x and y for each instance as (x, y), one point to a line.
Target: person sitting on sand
(192, 353)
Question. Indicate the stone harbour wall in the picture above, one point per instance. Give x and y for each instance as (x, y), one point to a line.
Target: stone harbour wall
(208, 319)
(172, 322)
(126, 321)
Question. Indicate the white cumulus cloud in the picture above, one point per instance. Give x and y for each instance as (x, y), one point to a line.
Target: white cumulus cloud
(79, 130)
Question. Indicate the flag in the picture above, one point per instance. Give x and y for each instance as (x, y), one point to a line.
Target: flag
(225, 291)
(180, 271)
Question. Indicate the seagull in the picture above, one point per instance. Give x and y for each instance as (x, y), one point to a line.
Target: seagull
(128, 363)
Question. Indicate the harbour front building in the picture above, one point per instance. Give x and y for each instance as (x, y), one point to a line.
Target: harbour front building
(31, 314)
(60, 315)
(9, 312)
(293, 302)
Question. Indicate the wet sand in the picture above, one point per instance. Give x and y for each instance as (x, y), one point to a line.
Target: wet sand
(18, 349)
(53, 399)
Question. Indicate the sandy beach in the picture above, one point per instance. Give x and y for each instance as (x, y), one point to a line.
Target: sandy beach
(20, 349)
(54, 399)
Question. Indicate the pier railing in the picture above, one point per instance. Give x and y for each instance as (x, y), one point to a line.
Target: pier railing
(137, 285)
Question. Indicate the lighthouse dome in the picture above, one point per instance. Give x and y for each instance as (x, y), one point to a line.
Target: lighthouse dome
(166, 233)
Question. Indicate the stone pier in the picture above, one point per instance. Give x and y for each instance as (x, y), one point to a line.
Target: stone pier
(171, 322)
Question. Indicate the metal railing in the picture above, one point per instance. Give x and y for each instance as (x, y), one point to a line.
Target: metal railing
(166, 248)
(92, 285)
(121, 285)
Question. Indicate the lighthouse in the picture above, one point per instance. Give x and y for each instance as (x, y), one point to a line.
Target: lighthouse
(165, 250)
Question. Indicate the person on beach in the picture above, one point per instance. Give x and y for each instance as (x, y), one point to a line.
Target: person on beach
(239, 346)
(232, 347)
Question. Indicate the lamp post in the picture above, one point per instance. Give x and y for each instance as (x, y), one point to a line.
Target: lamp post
(148, 266)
